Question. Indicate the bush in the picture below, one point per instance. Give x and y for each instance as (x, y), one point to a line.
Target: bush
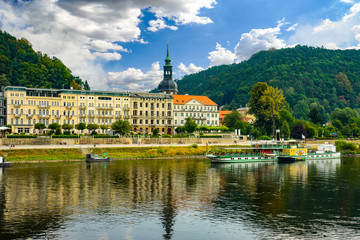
(105, 136)
(160, 150)
(344, 146)
(265, 137)
(194, 146)
(21, 136)
(211, 136)
(166, 136)
(65, 136)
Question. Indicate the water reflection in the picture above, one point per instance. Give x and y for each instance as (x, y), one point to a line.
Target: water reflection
(180, 199)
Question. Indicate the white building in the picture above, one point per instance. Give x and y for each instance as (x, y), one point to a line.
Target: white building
(200, 108)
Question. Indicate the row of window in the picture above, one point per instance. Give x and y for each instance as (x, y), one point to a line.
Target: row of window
(199, 122)
(140, 121)
(196, 115)
(182, 107)
(152, 105)
(152, 113)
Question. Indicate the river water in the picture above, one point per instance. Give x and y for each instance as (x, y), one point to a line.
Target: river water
(181, 199)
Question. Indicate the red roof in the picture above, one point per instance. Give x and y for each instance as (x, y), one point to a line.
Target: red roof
(182, 99)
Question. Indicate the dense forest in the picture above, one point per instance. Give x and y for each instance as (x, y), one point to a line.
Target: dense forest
(20, 65)
(306, 75)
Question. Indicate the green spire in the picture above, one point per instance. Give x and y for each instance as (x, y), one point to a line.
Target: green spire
(167, 59)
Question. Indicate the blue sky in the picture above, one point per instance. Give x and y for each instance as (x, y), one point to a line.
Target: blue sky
(121, 44)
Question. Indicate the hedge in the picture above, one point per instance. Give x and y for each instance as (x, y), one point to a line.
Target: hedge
(21, 136)
(211, 136)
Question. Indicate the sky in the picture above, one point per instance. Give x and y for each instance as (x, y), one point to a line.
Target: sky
(121, 44)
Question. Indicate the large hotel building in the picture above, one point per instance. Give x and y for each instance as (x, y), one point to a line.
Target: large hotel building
(23, 107)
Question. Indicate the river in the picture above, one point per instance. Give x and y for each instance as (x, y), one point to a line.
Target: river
(181, 199)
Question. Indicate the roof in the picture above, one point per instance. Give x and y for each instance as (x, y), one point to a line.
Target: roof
(183, 99)
(223, 113)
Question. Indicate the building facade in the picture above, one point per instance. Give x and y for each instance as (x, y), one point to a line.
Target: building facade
(200, 108)
(27, 106)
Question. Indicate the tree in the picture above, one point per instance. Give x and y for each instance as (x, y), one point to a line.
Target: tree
(315, 115)
(301, 110)
(75, 85)
(80, 126)
(285, 130)
(67, 127)
(92, 127)
(39, 126)
(274, 101)
(190, 125)
(255, 106)
(231, 118)
(180, 130)
(156, 132)
(121, 127)
(298, 132)
(54, 126)
(86, 85)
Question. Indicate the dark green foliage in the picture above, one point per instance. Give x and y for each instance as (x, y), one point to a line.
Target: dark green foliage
(180, 130)
(303, 73)
(20, 65)
(298, 132)
(121, 127)
(231, 118)
(190, 125)
(345, 146)
(315, 115)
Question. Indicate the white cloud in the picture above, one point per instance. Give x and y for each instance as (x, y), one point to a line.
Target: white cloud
(79, 32)
(292, 28)
(257, 40)
(108, 56)
(347, 1)
(104, 46)
(183, 69)
(221, 56)
(158, 24)
(135, 79)
(342, 33)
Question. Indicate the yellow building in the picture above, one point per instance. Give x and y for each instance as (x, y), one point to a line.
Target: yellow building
(27, 106)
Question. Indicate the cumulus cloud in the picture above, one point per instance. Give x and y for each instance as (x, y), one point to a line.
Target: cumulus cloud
(79, 32)
(347, 1)
(158, 24)
(183, 69)
(136, 79)
(257, 40)
(221, 56)
(343, 33)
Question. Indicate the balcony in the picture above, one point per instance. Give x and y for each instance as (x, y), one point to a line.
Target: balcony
(17, 105)
(82, 115)
(82, 107)
(104, 116)
(91, 115)
(104, 108)
(126, 116)
(17, 115)
(29, 115)
(68, 107)
(44, 116)
(126, 108)
(68, 116)
(44, 106)
(57, 116)
(118, 116)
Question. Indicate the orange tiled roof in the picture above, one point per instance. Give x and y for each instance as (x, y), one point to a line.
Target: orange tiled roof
(223, 113)
(182, 99)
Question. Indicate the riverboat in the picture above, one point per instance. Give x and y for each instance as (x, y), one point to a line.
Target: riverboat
(3, 162)
(96, 158)
(299, 153)
(257, 152)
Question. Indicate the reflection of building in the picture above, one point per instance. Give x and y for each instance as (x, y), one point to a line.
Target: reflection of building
(200, 108)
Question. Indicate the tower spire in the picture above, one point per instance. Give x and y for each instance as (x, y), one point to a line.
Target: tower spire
(167, 85)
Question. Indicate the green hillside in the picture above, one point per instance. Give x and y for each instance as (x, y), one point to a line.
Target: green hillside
(20, 65)
(305, 74)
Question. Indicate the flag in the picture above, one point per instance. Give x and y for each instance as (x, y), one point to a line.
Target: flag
(302, 136)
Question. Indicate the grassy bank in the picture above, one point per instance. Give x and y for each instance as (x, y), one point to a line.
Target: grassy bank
(69, 154)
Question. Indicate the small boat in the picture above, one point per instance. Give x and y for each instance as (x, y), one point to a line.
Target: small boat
(3, 162)
(96, 158)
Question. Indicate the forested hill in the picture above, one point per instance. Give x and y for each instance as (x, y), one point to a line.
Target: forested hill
(20, 65)
(305, 74)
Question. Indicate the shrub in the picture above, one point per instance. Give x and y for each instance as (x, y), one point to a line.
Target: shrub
(21, 136)
(344, 146)
(211, 136)
(194, 146)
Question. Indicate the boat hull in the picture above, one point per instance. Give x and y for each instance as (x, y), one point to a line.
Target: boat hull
(95, 158)
(6, 164)
(237, 159)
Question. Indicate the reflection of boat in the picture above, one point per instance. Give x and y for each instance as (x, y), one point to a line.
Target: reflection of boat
(96, 158)
(3, 162)
(258, 152)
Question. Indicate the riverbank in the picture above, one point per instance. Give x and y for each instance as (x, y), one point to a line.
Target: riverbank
(21, 155)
